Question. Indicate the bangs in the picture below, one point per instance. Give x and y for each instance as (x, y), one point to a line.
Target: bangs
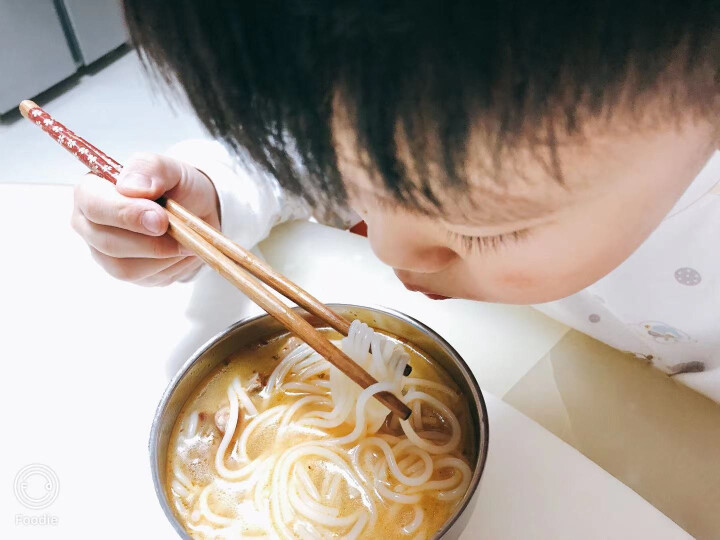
(264, 76)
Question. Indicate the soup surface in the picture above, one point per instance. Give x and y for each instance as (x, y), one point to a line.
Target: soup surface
(277, 443)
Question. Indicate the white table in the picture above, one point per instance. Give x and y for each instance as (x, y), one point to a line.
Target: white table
(86, 359)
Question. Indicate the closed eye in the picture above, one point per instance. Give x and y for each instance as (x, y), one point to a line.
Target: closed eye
(470, 244)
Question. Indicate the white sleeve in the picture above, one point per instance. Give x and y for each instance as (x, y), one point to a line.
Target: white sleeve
(661, 303)
(251, 204)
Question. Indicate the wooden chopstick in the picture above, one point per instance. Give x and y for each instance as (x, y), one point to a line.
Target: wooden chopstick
(108, 168)
(244, 281)
(206, 242)
(259, 268)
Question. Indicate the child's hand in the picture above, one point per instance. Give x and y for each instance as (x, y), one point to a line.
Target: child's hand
(125, 229)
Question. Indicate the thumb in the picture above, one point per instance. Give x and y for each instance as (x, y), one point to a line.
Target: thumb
(149, 176)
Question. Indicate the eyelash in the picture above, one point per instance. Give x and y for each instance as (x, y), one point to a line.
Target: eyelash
(470, 244)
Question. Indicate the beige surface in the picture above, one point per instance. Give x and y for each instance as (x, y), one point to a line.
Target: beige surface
(85, 354)
(653, 434)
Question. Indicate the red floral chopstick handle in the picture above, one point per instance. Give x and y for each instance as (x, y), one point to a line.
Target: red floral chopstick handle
(94, 159)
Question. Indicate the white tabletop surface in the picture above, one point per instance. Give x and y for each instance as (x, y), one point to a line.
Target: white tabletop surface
(86, 359)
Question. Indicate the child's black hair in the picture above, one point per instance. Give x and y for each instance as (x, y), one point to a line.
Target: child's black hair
(263, 74)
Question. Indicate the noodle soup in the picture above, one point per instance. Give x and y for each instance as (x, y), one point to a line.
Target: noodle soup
(277, 443)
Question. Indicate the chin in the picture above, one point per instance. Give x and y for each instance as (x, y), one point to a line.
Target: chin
(527, 296)
(514, 296)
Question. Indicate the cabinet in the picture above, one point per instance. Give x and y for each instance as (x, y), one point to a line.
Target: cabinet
(97, 25)
(34, 54)
(42, 42)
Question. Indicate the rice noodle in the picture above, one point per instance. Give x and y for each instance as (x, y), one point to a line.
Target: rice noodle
(333, 487)
(313, 370)
(309, 482)
(181, 490)
(414, 525)
(386, 493)
(227, 436)
(181, 477)
(362, 401)
(192, 425)
(302, 352)
(417, 415)
(209, 514)
(357, 528)
(425, 383)
(447, 414)
(303, 387)
(264, 418)
(309, 361)
(299, 404)
(391, 460)
(247, 403)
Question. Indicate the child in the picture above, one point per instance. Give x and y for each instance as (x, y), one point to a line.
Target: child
(534, 153)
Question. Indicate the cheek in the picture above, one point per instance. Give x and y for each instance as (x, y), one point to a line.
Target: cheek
(522, 279)
(520, 284)
(543, 269)
(534, 286)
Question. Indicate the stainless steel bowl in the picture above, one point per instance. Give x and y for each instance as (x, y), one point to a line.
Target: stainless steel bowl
(255, 329)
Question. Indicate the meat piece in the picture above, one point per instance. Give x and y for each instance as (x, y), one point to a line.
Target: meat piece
(257, 382)
(254, 384)
(221, 418)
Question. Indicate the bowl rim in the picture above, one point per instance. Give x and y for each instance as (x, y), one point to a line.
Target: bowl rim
(202, 349)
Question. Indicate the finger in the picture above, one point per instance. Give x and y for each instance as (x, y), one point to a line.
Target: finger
(132, 269)
(173, 273)
(123, 244)
(190, 274)
(190, 271)
(150, 176)
(100, 203)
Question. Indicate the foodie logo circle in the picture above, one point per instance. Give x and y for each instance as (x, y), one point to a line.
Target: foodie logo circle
(36, 486)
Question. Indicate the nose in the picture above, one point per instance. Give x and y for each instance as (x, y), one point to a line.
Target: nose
(403, 250)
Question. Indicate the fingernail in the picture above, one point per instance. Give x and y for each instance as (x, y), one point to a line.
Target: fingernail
(136, 181)
(151, 221)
